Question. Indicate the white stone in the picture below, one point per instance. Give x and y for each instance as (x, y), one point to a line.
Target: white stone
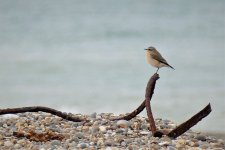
(123, 123)
(8, 143)
(144, 132)
(102, 128)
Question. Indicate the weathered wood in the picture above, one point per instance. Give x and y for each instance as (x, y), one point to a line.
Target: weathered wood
(150, 116)
(182, 128)
(43, 109)
(148, 94)
(132, 114)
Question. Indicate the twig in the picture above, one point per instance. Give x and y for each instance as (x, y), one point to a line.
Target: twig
(40, 108)
(191, 122)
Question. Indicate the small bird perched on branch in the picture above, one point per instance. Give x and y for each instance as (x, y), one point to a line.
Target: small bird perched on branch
(155, 58)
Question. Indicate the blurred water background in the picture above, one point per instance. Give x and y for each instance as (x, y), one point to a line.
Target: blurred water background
(88, 56)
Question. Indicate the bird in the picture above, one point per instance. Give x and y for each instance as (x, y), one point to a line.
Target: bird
(155, 58)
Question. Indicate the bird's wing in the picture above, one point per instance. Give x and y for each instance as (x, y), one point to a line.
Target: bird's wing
(158, 56)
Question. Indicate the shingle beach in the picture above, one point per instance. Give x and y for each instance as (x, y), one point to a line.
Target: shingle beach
(43, 131)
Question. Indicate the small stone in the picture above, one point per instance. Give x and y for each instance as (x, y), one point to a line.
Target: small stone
(170, 148)
(85, 128)
(128, 141)
(180, 146)
(5, 125)
(104, 122)
(94, 129)
(132, 147)
(181, 141)
(193, 144)
(17, 146)
(201, 137)
(123, 123)
(100, 142)
(108, 142)
(108, 148)
(123, 143)
(136, 125)
(93, 115)
(119, 131)
(75, 139)
(144, 132)
(79, 135)
(165, 143)
(155, 147)
(55, 142)
(217, 145)
(72, 145)
(48, 119)
(21, 142)
(8, 143)
(82, 145)
(102, 128)
(130, 132)
(1, 137)
(144, 127)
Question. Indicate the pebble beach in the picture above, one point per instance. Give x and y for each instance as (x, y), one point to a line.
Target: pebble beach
(44, 131)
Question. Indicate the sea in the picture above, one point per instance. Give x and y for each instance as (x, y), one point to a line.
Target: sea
(83, 56)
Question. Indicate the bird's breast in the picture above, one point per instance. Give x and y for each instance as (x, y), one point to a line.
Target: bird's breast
(152, 61)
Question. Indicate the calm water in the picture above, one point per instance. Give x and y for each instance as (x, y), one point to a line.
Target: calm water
(88, 56)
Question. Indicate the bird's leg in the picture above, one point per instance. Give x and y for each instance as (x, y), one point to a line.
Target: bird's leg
(157, 70)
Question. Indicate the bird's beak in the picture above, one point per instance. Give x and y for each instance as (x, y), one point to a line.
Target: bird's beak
(145, 49)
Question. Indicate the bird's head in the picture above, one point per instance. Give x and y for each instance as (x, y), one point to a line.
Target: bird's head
(151, 48)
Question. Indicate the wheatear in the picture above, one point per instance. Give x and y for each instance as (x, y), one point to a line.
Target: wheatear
(155, 58)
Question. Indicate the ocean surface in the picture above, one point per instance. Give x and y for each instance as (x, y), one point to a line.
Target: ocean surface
(88, 56)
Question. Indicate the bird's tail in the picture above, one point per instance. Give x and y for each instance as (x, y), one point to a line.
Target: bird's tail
(170, 66)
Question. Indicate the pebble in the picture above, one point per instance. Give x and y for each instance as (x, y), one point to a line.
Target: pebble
(145, 132)
(109, 142)
(170, 148)
(55, 142)
(166, 143)
(122, 123)
(93, 115)
(201, 137)
(8, 143)
(99, 133)
(17, 146)
(79, 135)
(102, 128)
(83, 145)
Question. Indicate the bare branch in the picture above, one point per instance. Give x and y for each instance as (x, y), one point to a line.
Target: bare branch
(43, 109)
(191, 122)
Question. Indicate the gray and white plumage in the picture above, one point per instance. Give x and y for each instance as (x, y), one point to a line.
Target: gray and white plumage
(155, 58)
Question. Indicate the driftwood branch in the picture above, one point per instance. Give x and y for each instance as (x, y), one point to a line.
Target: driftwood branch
(150, 116)
(182, 128)
(151, 86)
(132, 114)
(43, 109)
(148, 95)
(146, 103)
